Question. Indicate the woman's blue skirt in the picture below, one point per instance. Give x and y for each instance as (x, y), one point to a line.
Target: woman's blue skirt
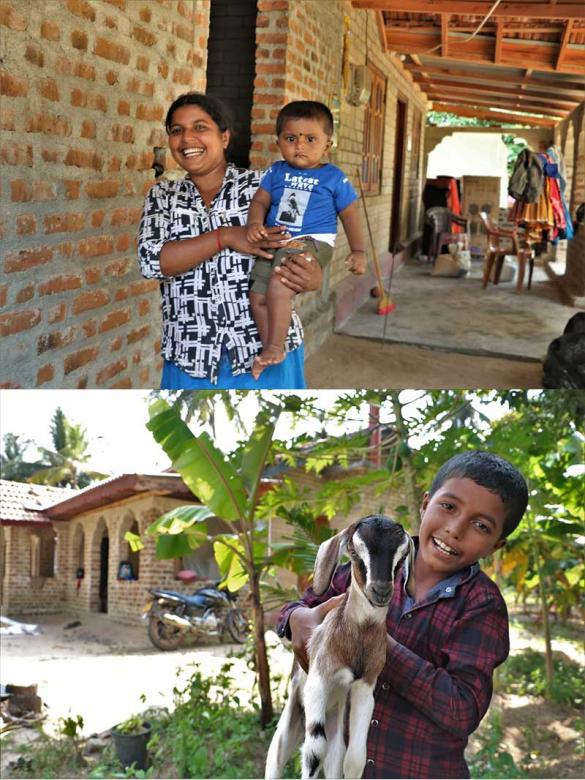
(288, 375)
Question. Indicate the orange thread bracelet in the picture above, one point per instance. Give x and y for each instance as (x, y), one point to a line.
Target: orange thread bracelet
(218, 238)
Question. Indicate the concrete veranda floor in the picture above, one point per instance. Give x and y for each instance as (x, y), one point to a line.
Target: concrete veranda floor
(445, 333)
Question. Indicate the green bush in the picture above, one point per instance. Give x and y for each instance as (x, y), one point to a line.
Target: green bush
(524, 673)
(492, 760)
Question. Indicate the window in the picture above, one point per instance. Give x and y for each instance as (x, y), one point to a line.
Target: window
(129, 566)
(42, 553)
(374, 134)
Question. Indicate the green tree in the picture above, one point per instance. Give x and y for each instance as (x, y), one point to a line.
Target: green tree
(65, 465)
(13, 463)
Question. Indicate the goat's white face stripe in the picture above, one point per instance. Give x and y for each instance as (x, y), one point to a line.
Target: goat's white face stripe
(363, 552)
(399, 554)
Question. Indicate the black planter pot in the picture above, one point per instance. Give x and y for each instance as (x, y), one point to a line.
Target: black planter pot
(131, 748)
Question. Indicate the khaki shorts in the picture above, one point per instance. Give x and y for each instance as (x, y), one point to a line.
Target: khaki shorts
(262, 270)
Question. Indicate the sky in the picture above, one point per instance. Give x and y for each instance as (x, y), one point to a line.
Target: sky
(115, 424)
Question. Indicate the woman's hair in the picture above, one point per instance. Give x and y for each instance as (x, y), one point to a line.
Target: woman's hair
(216, 108)
(493, 473)
(305, 109)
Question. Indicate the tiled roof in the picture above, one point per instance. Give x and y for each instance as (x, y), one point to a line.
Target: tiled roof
(22, 502)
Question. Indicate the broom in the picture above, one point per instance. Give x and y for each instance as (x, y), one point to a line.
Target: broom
(385, 304)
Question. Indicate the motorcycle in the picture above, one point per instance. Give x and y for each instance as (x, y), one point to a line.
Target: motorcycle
(209, 612)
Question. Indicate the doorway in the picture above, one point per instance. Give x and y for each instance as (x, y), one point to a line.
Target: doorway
(231, 67)
(397, 183)
(104, 570)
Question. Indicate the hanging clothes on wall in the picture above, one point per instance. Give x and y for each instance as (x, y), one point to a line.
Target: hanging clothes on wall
(536, 186)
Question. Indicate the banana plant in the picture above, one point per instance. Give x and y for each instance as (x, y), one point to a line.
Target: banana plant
(227, 487)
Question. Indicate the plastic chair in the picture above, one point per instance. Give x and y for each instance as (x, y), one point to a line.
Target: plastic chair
(441, 222)
(504, 241)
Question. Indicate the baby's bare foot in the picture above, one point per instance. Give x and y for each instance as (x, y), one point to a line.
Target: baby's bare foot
(270, 356)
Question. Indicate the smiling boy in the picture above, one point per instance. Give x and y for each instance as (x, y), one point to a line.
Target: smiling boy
(443, 645)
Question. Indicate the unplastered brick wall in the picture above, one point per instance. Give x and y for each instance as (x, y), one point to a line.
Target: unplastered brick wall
(84, 86)
(22, 593)
(299, 55)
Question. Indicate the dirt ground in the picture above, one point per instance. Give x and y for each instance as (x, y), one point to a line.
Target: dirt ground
(100, 669)
(345, 361)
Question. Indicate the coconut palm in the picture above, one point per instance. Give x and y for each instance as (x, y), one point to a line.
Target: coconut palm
(66, 462)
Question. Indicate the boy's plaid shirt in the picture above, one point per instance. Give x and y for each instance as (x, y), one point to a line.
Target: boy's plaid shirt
(208, 306)
(436, 685)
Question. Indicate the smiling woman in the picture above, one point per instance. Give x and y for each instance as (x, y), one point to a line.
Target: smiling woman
(192, 238)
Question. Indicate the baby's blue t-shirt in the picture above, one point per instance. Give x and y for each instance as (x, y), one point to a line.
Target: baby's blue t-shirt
(306, 201)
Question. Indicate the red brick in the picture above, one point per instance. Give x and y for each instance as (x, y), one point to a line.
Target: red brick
(110, 371)
(144, 307)
(49, 89)
(90, 300)
(88, 128)
(45, 374)
(114, 319)
(26, 224)
(124, 242)
(92, 275)
(82, 159)
(15, 154)
(7, 119)
(17, 321)
(65, 66)
(102, 189)
(111, 51)
(44, 190)
(123, 108)
(10, 17)
(3, 294)
(143, 36)
(25, 294)
(97, 218)
(111, 23)
(35, 55)
(80, 358)
(57, 313)
(55, 340)
(95, 246)
(121, 133)
(145, 14)
(72, 188)
(64, 223)
(142, 63)
(151, 113)
(50, 31)
(89, 328)
(24, 259)
(60, 284)
(138, 334)
(81, 8)
(48, 124)
(79, 40)
(20, 191)
(118, 267)
(122, 384)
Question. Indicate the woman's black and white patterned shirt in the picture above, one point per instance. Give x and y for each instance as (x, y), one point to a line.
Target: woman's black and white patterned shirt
(207, 307)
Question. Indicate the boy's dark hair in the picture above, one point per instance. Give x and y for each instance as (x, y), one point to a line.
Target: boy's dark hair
(305, 109)
(218, 110)
(491, 472)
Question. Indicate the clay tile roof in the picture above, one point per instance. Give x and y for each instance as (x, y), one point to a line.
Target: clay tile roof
(22, 502)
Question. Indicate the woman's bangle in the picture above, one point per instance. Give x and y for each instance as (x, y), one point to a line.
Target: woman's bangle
(218, 239)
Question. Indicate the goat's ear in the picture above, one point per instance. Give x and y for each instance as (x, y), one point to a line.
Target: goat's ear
(328, 555)
(410, 580)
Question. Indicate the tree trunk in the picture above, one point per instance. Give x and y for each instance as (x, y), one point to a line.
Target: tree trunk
(262, 668)
(545, 626)
(413, 499)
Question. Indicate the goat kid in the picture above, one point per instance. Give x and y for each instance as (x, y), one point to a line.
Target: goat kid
(347, 652)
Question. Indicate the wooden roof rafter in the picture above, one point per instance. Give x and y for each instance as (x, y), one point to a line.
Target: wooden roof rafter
(531, 44)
